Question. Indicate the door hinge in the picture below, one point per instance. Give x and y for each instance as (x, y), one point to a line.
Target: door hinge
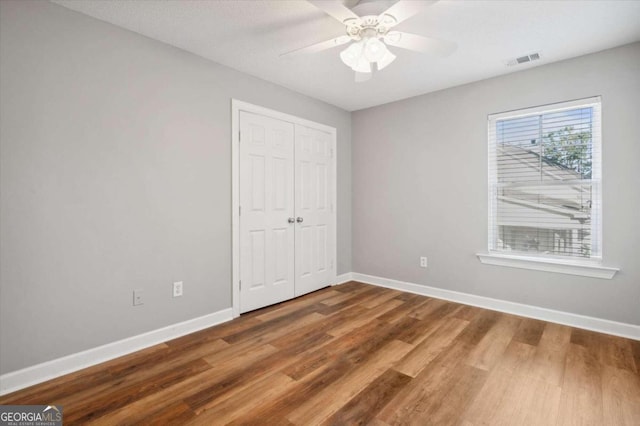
(239, 136)
(240, 283)
(239, 210)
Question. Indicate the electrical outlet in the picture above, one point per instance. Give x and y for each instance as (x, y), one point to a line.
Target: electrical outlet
(138, 298)
(423, 262)
(177, 289)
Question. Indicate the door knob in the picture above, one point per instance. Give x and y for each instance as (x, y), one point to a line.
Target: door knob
(299, 219)
(291, 220)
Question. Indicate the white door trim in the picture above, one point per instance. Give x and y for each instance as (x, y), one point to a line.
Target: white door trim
(236, 107)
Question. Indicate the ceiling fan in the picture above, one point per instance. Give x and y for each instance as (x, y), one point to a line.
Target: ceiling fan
(369, 36)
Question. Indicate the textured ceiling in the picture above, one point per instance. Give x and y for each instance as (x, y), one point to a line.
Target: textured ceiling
(250, 36)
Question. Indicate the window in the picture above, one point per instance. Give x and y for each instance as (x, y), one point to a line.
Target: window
(545, 182)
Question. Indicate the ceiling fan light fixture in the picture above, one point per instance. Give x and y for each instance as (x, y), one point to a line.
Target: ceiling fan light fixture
(370, 36)
(386, 59)
(354, 57)
(363, 65)
(374, 49)
(352, 54)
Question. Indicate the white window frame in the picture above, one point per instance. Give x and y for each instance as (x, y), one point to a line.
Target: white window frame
(591, 267)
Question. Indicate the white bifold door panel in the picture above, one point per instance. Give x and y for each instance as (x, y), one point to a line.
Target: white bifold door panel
(286, 212)
(266, 205)
(314, 228)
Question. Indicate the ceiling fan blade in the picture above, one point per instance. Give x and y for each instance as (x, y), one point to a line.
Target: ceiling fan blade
(420, 43)
(318, 47)
(334, 8)
(363, 76)
(405, 9)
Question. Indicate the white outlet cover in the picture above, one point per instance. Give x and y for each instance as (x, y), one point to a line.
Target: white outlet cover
(138, 298)
(177, 289)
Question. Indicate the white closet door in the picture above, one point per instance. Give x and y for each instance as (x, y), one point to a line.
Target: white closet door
(315, 230)
(266, 210)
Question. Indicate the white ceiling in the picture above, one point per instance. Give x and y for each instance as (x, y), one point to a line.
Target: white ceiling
(250, 35)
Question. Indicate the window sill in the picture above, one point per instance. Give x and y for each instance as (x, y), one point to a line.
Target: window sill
(549, 265)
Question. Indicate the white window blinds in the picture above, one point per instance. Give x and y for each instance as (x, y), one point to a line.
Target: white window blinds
(545, 181)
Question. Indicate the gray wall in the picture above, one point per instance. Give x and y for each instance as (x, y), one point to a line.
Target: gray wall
(116, 174)
(420, 186)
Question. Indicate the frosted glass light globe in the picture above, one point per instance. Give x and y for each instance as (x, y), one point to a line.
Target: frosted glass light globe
(363, 65)
(374, 50)
(386, 60)
(352, 54)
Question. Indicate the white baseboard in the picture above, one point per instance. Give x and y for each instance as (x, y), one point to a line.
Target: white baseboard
(630, 331)
(29, 376)
(344, 278)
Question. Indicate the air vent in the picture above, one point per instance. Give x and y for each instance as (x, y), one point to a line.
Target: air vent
(523, 59)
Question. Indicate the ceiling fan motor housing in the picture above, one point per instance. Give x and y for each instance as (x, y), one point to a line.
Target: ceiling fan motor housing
(369, 26)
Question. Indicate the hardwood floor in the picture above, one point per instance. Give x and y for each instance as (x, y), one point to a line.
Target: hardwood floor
(358, 354)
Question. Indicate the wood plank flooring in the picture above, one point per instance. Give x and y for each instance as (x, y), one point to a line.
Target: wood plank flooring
(358, 354)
